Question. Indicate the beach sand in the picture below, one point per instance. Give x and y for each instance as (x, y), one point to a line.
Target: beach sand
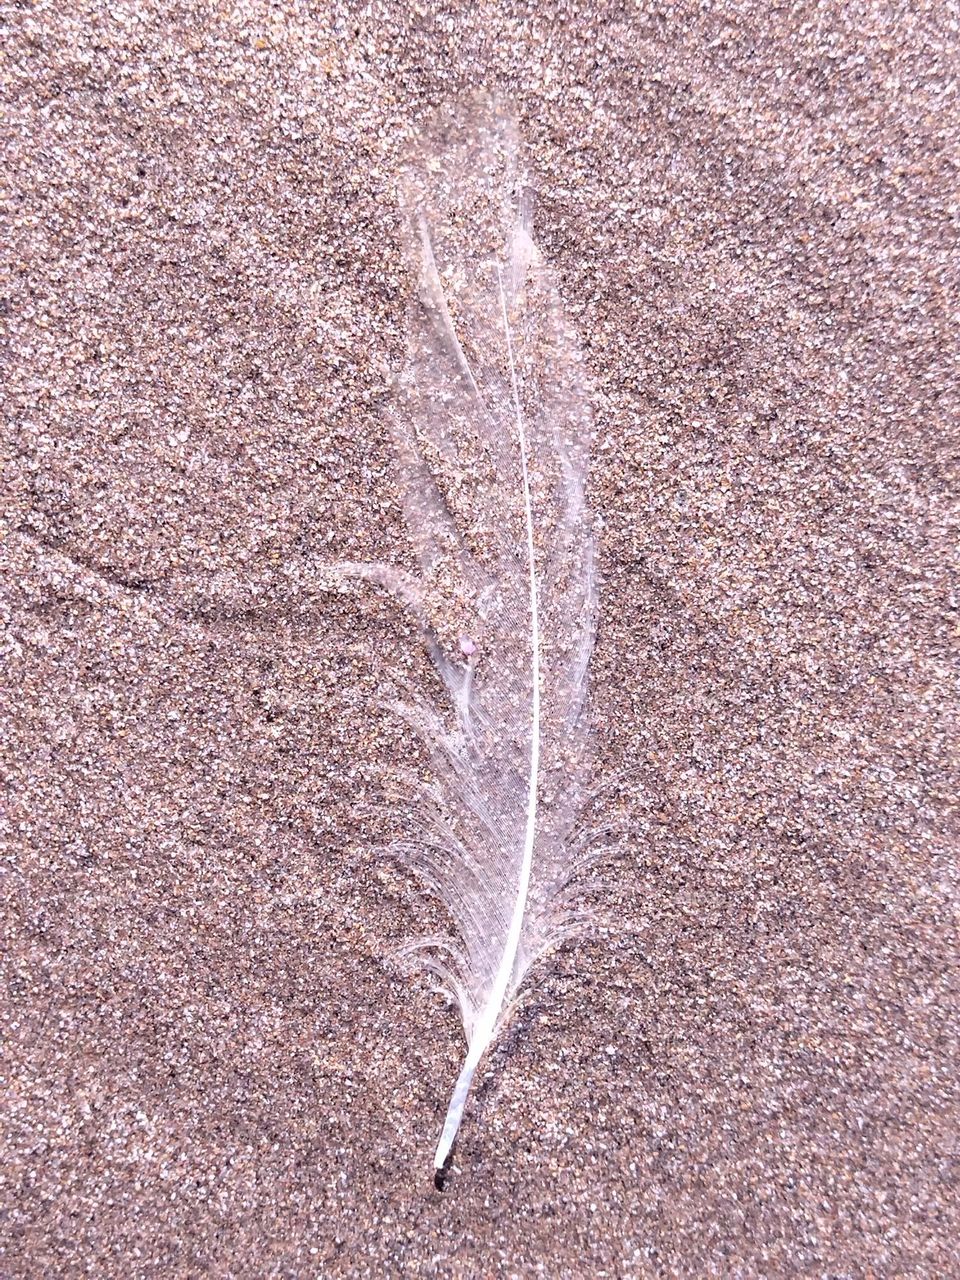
(210, 1066)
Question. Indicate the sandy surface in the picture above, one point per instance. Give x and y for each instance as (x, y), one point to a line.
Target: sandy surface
(209, 1068)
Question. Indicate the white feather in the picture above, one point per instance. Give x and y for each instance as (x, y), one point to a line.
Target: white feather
(492, 426)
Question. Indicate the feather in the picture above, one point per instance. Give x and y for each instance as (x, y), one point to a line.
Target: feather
(491, 425)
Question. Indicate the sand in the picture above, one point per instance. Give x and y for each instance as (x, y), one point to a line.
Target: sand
(210, 1067)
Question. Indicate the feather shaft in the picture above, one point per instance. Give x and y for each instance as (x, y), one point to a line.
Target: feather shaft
(490, 1015)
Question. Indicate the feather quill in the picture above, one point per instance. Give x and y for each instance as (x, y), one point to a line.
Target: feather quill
(491, 425)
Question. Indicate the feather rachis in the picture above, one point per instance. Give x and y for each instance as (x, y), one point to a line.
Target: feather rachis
(491, 1013)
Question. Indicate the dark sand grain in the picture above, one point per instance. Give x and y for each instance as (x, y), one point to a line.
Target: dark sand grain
(208, 1068)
